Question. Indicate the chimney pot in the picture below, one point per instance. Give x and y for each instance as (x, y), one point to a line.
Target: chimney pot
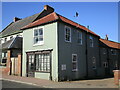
(106, 37)
(48, 8)
(16, 19)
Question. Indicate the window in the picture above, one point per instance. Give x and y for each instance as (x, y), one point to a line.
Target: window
(43, 62)
(11, 37)
(94, 62)
(91, 41)
(74, 62)
(38, 36)
(5, 39)
(104, 51)
(105, 64)
(113, 52)
(80, 37)
(67, 34)
(0, 41)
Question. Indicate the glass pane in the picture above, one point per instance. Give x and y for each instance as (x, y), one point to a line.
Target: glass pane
(40, 39)
(36, 40)
(36, 32)
(74, 58)
(40, 31)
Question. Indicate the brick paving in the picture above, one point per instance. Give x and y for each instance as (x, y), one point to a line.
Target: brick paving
(98, 83)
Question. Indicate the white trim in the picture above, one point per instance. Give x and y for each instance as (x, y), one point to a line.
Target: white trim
(65, 33)
(80, 43)
(75, 62)
(42, 42)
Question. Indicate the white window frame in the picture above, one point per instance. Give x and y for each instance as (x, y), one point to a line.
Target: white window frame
(91, 39)
(65, 34)
(94, 63)
(41, 42)
(80, 41)
(104, 50)
(74, 62)
(105, 64)
(115, 52)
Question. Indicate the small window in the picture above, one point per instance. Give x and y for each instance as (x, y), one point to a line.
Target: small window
(74, 62)
(91, 41)
(94, 62)
(5, 40)
(113, 52)
(38, 36)
(11, 37)
(67, 34)
(0, 41)
(105, 64)
(104, 51)
(80, 37)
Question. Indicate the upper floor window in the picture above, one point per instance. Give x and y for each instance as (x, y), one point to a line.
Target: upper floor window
(104, 51)
(67, 34)
(11, 37)
(91, 41)
(74, 62)
(105, 64)
(38, 36)
(113, 52)
(80, 37)
(5, 40)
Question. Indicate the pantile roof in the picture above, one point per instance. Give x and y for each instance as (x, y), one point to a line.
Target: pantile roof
(54, 17)
(110, 43)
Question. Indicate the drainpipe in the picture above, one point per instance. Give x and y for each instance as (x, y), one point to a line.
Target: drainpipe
(86, 55)
(50, 65)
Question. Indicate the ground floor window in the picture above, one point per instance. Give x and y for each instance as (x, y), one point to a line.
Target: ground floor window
(39, 62)
(43, 62)
(74, 62)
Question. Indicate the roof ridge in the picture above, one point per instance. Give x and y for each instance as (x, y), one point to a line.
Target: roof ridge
(110, 41)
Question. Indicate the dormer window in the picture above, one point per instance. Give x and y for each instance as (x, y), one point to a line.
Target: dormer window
(67, 34)
(38, 36)
(91, 41)
(5, 40)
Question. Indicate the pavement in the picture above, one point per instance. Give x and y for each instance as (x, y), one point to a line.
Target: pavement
(96, 83)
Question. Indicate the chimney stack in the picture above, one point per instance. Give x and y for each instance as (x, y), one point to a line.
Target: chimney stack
(48, 8)
(16, 19)
(106, 37)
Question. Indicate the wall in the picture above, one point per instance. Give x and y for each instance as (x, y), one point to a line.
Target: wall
(66, 49)
(50, 42)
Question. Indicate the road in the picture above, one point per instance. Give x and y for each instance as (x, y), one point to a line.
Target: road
(10, 84)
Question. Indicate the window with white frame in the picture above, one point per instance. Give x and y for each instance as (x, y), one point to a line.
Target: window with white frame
(105, 64)
(113, 52)
(94, 62)
(104, 50)
(67, 34)
(80, 37)
(74, 62)
(5, 40)
(11, 37)
(38, 36)
(43, 62)
(91, 41)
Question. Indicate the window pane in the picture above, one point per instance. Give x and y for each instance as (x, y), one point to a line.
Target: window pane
(41, 31)
(36, 32)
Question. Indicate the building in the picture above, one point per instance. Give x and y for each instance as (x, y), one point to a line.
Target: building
(56, 48)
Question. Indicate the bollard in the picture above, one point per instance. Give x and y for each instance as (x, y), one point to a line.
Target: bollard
(116, 76)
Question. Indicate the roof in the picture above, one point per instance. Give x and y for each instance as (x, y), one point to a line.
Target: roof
(110, 43)
(14, 27)
(15, 43)
(54, 17)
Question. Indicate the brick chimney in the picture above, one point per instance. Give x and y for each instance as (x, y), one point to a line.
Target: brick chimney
(106, 37)
(48, 8)
(16, 19)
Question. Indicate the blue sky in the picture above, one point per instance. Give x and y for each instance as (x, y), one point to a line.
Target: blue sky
(102, 17)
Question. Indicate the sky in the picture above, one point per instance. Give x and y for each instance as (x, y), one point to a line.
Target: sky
(102, 17)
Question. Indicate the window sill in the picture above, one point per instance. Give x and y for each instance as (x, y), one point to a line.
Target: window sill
(75, 70)
(39, 44)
